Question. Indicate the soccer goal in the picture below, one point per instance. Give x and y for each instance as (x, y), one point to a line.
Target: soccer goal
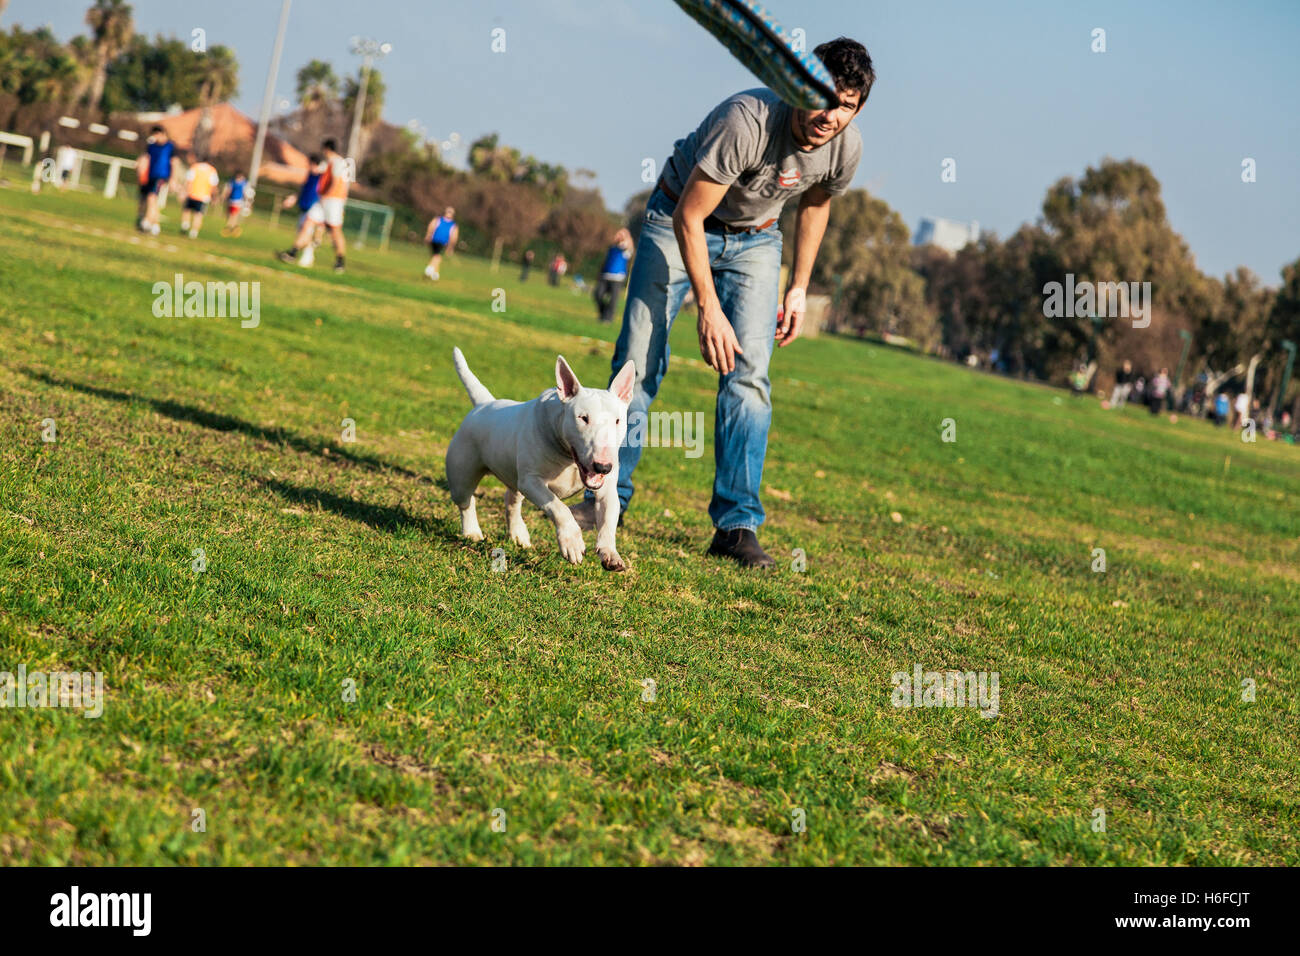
(23, 143)
(71, 168)
(367, 223)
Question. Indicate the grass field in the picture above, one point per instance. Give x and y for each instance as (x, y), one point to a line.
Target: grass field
(522, 690)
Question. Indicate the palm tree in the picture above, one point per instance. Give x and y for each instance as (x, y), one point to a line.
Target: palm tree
(56, 81)
(218, 79)
(317, 85)
(488, 158)
(111, 28)
(376, 93)
(36, 68)
(372, 111)
(83, 52)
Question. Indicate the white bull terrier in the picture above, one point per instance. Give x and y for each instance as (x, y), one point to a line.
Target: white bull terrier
(561, 442)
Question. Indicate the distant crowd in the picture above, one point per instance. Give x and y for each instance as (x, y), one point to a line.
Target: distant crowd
(1232, 406)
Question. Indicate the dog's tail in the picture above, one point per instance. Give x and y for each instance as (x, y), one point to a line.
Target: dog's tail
(477, 393)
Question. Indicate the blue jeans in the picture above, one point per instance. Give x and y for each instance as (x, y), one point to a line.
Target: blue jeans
(746, 271)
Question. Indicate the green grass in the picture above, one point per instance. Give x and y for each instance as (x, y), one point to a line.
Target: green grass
(522, 690)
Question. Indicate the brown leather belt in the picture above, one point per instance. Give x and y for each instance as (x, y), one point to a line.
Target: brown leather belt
(713, 222)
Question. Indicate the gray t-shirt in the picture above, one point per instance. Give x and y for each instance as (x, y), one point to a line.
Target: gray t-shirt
(746, 142)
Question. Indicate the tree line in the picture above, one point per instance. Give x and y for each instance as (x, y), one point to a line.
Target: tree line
(986, 301)
(109, 69)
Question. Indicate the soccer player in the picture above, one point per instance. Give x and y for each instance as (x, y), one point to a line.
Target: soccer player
(142, 179)
(200, 183)
(162, 154)
(312, 216)
(65, 158)
(441, 236)
(234, 202)
(613, 274)
(333, 199)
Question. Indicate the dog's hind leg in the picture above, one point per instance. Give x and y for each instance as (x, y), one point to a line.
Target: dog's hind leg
(469, 522)
(464, 472)
(515, 518)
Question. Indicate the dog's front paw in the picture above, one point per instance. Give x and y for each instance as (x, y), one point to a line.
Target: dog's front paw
(610, 561)
(472, 535)
(520, 537)
(572, 546)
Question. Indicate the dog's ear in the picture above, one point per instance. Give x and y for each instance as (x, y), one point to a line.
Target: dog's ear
(565, 380)
(623, 382)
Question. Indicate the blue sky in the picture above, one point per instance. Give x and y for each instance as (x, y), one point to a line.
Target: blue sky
(1011, 90)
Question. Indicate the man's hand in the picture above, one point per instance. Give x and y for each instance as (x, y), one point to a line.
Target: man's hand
(718, 342)
(700, 196)
(791, 323)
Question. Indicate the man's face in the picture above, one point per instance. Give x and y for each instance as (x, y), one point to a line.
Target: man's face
(813, 128)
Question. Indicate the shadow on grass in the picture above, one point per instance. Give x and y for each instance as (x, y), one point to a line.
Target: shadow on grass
(379, 517)
(228, 423)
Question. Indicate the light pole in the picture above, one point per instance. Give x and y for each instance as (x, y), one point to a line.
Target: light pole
(268, 97)
(368, 49)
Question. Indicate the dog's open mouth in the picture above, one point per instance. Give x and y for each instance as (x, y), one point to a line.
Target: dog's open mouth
(591, 479)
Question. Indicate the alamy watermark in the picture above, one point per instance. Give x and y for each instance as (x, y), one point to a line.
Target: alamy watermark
(129, 910)
(71, 689)
(208, 300)
(667, 430)
(1107, 300)
(923, 688)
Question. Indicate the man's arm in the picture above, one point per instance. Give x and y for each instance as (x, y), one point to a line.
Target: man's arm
(810, 226)
(451, 240)
(428, 230)
(700, 196)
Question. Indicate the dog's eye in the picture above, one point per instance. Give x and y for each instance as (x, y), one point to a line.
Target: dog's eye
(584, 419)
(617, 420)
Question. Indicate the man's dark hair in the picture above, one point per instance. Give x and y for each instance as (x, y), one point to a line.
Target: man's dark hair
(329, 144)
(314, 159)
(157, 129)
(849, 63)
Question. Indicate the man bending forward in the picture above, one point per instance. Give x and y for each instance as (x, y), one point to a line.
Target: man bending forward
(711, 226)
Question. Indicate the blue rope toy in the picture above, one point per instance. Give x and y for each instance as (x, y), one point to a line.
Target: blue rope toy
(757, 40)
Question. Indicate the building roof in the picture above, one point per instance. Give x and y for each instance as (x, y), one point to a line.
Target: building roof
(234, 133)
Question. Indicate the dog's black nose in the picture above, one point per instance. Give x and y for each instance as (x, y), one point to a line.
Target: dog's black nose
(601, 468)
